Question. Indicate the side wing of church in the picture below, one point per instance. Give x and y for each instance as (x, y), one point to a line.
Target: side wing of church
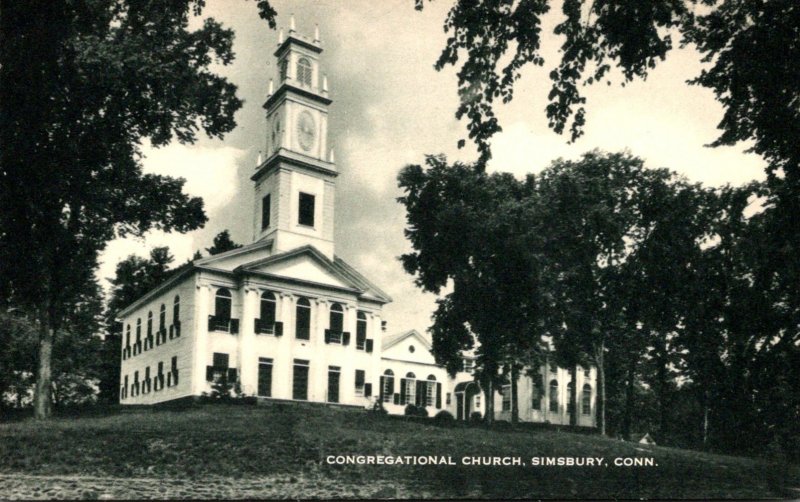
(284, 317)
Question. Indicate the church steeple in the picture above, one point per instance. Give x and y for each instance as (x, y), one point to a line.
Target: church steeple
(295, 184)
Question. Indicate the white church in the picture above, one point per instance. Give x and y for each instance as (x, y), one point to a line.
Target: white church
(288, 319)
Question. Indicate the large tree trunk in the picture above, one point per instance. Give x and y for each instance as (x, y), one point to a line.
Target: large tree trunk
(629, 391)
(573, 396)
(488, 417)
(601, 388)
(514, 404)
(42, 399)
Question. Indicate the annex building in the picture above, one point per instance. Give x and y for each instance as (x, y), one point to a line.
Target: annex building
(285, 317)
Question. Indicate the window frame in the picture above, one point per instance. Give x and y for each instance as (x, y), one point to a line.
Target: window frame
(306, 209)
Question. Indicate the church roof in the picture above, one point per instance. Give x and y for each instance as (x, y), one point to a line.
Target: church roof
(236, 262)
(392, 340)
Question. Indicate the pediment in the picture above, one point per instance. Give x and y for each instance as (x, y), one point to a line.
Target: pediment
(304, 264)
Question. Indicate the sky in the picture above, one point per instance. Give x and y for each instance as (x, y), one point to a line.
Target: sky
(391, 108)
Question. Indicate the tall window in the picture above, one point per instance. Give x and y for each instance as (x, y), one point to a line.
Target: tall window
(304, 71)
(283, 66)
(150, 324)
(586, 399)
(303, 319)
(410, 388)
(265, 211)
(469, 365)
(264, 376)
(222, 304)
(336, 318)
(537, 391)
(267, 313)
(360, 380)
(554, 396)
(162, 317)
(300, 379)
(306, 206)
(506, 390)
(387, 385)
(334, 372)
(430, 390)
(138, 346)
(587, 372)
(361, 330)
(127, 340)
(176, 310)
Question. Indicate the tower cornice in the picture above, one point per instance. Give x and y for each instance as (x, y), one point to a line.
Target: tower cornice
(283, 157)
(294, 39)
(286, 87)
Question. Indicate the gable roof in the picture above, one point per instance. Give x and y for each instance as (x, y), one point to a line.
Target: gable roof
(337, 267)
(392, 340)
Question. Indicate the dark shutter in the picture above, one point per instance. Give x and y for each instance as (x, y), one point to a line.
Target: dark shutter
(367, 390)
(391, 384)
(327, 336)
(402, 391)
(231, 375)
(346, 338)
(383, 385)
(369, 345)
(234, 326)
(438, 394)
(396, 398)
(278, 329)
(209, 373)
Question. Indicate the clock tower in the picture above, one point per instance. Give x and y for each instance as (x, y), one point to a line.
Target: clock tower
(294, 186)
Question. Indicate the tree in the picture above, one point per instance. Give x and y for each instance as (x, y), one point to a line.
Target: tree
(473, 234)
(750, 45)
(222, 243)
(82, 84)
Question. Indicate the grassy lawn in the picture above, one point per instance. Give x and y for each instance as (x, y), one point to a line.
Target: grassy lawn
(245, 444)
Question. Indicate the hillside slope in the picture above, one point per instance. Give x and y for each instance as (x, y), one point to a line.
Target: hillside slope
(222, 444)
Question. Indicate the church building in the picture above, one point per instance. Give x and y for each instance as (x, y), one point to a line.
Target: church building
(285, 317)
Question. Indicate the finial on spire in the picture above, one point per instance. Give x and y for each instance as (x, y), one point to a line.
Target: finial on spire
(291, 24)
(331, 157)
(325, 83)
(271, 90)
(280, 36)
(316, 33)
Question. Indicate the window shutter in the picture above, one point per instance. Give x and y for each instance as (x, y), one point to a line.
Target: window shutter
(369, 345)
(231, 375)
(234, 326)
(391, 385)
(327, 336)
(438, 394)
(278, 329)
(383, 385)
(367, 390)
(346, 338)
(419, 398)
(402, 391)
(257, 326)
(396, 398)
(209, 373)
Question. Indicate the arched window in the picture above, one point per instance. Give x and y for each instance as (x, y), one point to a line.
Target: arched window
(176, 310)
(430, 390)
(361, 330)
(570, 402)
(303, 319)
(267, 313)
(387, 385)
(222, 304)
(537, 392)
(304, 71)
(554, 396)
(336, 318)
(586, 399)
(162, 317)
(409, 389)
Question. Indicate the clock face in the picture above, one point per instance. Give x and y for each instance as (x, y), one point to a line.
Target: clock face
(306, 130)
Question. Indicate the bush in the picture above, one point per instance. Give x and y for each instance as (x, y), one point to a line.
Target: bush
(377, 408)
(444, 417)
(475, 417)
(410, 411)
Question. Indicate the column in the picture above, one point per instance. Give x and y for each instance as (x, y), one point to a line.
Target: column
(200, 338)
(283, 357)
(318, 373)
(248, 359)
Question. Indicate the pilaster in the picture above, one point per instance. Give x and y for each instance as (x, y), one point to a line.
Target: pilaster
(203, 294)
